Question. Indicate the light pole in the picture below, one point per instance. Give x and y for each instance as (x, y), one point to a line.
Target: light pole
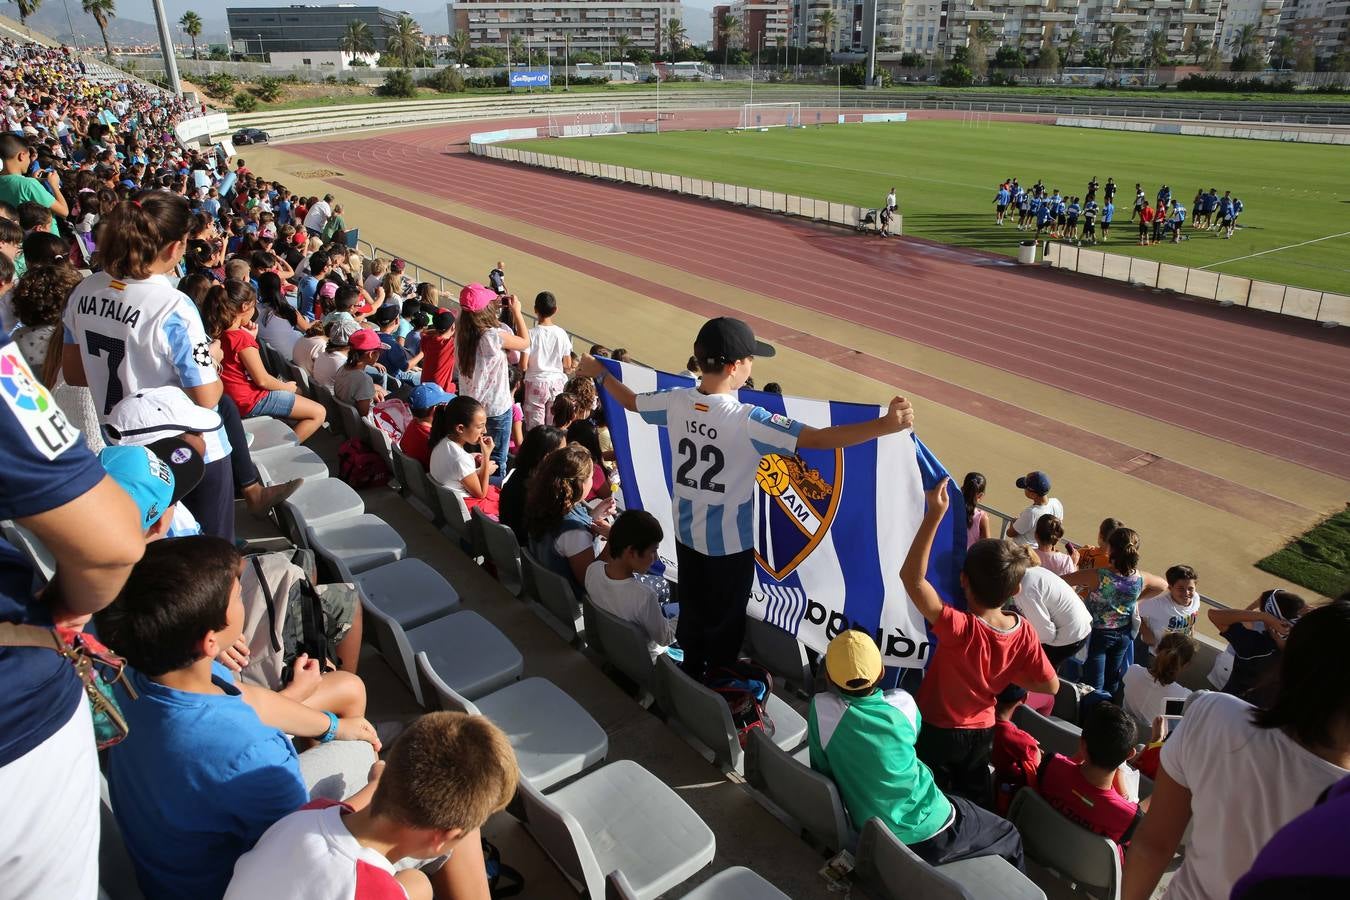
(872, 46)
(166, 47)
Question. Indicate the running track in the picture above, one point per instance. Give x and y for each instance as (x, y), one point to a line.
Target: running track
(1276, 386)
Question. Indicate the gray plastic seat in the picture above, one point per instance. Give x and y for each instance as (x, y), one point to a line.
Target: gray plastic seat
(356, 544)
(1088, 861)
(554, 738)
(779, 652)
(808, 797)
(1067, 702)
(409, 591)
(44, 564)
(555, 596)
(301, 379)
(705, 715)
(500, 546)
(324, 396)
(467, 651)
(280, 464)
(323, 501)
(381, 443)
(414, 479)
(351, 418)
(623, 644)
(619, 817)
(265, 432)
(454, 516)
(1054, 735)
(891, 871)
(736, 883)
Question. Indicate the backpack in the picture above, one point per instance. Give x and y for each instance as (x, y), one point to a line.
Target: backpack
(360, 466)
(392, 416)
(503, 880)
(745, 687)
(276, 586)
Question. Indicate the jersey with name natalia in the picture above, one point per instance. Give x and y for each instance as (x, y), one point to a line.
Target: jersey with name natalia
(135, 334)
(716, 443)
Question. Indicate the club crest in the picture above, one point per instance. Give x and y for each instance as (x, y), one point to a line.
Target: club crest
(795, 506)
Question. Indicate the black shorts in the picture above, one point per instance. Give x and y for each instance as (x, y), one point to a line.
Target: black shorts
(1105, 225)
(1227, 222)
(1062, 218)
(1000, 207)
(1089, 227)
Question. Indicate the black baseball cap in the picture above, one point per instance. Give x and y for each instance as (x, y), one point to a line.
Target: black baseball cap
(184, 461)
(386, 314)
(726, 339)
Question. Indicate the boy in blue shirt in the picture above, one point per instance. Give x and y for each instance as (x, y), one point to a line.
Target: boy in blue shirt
(1001, 203)
(1108, 213)
(1071, 219)
(1044, 218)
(1177, 219)
(207, 766)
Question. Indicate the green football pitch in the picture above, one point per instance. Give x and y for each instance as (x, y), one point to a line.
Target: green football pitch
(1295, 225)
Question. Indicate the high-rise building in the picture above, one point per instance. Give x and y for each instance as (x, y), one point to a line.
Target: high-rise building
(1320, 28)
(581, 24)
(807, 30)
(764, 23)
(288, 29)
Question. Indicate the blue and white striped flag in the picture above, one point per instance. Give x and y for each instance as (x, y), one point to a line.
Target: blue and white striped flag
(832, 526)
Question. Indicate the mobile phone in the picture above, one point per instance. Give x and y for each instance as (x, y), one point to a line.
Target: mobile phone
(1173, 707)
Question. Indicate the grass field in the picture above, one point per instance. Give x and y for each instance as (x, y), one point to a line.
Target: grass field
(947, 174)
(1318, 560)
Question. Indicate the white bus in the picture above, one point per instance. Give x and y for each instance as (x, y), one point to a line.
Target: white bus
(690, 70)
(614, 71)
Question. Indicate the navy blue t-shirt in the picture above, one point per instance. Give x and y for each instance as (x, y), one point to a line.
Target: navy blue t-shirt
(43, 464)
(393, 357)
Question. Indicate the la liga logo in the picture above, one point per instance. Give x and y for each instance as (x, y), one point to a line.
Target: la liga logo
(21, 387)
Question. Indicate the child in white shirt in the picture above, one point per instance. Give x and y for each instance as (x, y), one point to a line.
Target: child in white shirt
(550, 349)
(620, 585)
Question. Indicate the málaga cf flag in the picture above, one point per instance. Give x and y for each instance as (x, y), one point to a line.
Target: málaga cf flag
(832, 526)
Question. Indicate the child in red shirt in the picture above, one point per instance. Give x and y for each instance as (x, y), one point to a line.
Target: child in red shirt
(438, 351)
(1084, 788)
(1016, 755)
(979, 652)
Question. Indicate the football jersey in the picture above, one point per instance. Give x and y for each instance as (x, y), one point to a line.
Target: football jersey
(140, 333)
(715, 443)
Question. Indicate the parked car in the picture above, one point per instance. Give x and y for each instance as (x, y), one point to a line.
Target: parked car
(250, 136)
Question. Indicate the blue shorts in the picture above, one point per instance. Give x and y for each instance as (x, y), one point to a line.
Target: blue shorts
(277, 404)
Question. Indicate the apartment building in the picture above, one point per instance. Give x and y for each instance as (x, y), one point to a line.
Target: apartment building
(1322, 26)
(806, 29)
(582, 24)
(764, 23)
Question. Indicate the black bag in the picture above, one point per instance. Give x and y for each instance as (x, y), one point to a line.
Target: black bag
(745, 685)
(498, 872)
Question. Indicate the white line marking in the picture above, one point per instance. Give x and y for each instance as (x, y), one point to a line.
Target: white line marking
(1273, 250)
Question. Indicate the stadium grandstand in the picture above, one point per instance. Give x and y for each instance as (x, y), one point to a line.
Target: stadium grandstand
(323, 577)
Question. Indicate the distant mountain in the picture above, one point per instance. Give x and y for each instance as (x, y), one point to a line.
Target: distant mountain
(50, 19)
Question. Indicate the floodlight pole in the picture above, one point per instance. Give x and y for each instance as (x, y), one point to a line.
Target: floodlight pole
(166, 48)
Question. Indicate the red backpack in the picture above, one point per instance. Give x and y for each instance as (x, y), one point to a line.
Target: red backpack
(360, 466)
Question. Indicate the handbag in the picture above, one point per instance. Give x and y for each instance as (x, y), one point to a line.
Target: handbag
(97, 666)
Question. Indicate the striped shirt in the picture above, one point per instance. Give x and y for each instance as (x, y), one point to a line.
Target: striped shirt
(715, 443)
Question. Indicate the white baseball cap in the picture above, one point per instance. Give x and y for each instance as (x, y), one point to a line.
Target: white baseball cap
(156, 413)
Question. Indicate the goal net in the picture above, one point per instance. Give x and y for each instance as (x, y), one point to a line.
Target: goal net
(771, 115)
(583, 123)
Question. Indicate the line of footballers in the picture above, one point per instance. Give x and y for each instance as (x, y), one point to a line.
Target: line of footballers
(1077, 219)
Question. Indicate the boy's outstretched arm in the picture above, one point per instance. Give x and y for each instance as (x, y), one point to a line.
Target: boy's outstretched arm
(899, 417)
(591, 368)
(914, 573)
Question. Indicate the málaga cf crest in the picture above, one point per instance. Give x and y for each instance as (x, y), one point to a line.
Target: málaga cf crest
(796, 504)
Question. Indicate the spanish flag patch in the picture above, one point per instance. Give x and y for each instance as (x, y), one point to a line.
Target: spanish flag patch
(117, 285)
(701, 407)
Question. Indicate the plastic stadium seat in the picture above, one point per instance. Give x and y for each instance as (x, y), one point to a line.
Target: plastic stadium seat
(891, 871)
(336, 770)
(25, 541)
(554, 594)
(356, 544)
(465, 650)
(554, 738)
(1071, 852)
(1054, 735)
(351, 418)
(1067, 701)
(329, 402)
(808, 797)
(500, 545)
(413, 477)
(301, 379)
(779, 652)
(409, 591)
(265, 432)
(382, 444)
(281, 464)
(619, 817)
(623, 644)
(705, 715)
(322, 501)
(736, 883)
(455, 515)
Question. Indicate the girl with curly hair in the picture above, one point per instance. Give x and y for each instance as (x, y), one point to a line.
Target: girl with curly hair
(562, 530)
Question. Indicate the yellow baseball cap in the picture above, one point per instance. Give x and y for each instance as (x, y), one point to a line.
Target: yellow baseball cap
(853, 661)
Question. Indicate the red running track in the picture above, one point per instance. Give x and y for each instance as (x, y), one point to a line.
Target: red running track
(1261, 381)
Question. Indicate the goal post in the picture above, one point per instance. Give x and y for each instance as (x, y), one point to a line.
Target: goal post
(585, 122)
(771, 115)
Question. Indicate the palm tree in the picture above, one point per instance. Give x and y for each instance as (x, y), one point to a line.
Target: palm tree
(730, 27)
(101, 11)
(1199, 49)
(1155, 49)
(1072, 41)
(1118, 44)
(357, 38)
(1244, 40)
(461, 45)
(27, 8)
(828, 23)
(191, 23)
(515, 48)
(405, 40)
(979, 42)
(622, 44)
(676, 35)
(1284, 49)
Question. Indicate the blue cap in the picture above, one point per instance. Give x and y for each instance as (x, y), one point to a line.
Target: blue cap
(428, 395)
(1036, 482)
(154, 476)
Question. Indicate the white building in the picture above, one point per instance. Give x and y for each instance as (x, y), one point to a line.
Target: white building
(581, 24)
(330, 61)
(1322, 26)
(806, 30)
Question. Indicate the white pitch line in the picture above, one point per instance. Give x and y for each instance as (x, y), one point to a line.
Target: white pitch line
(1273, 250)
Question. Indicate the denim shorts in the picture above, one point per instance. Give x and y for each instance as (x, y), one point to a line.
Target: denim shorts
(277, 404)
